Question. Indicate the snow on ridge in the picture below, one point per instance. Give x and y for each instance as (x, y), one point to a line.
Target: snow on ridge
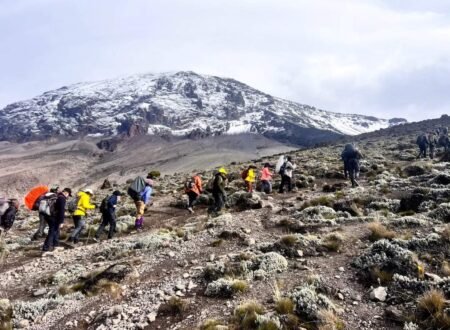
(171, 103)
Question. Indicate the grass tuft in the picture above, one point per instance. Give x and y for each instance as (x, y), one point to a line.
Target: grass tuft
(329, 321)
(379, 231)
(175, 306)
(430, 310)
(381, 276)
(333, 242)
(445, 268)
(246, 315)
(289, 240)
(240, 286)
(284, 306)
(210, 325)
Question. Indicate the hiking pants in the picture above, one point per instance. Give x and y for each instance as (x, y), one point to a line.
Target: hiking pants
(285, 180)
(79, 223)
(249, 186)
(41, 228)
(107, 219)
(192, 198)
(422, 151)
(431, 152)
(140, 208)
(266, 186)
(219, 201)
(52, 239)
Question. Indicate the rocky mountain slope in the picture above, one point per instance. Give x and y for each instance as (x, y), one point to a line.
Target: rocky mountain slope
(326, 256)
(175, 104)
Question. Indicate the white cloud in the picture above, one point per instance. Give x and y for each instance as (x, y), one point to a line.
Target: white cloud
(375, 57)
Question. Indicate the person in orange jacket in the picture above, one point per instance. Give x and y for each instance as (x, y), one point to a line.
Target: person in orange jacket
(194, 189)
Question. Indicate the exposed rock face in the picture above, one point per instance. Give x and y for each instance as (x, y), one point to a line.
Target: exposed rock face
(180, 104)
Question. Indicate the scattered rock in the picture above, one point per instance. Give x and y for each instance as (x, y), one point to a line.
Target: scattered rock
(379, 294)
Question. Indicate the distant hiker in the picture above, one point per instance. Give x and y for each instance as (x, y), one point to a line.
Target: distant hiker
(266, 179)
(108, 210)
(83, 204)
(55, 218)
(249, 177)
(432, 143)
(444, 140)
(193, 188)
(351, 156)
(8, 211)
(422, 142)
(42, 222)
(145, 198)
(218, 190)
(286, 171)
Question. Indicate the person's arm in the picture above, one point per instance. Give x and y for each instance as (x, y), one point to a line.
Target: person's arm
(60, 209)
(112, 202)
(86, 203)
(199, 184)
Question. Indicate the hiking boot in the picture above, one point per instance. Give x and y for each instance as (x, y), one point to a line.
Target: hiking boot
(190, 210)
(58, 248)
(95, 239)
(47, 254)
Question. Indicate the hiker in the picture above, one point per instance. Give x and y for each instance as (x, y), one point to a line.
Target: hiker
(42, 222)
(145, 197)
(83, 204)
(351, 156)
(432, 143)
(55, 220)
(108, 210)
(286, 172)
(422, 142)
(249, 177)
(218, 190)
(194, 189)
(266, 179)
(443, 140)
(8, 211)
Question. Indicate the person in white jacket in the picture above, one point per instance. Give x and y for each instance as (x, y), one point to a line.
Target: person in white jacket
(286, 172)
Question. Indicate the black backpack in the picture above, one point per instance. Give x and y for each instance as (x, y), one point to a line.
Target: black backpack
(189, 184)
(104, 204)
(283, 169)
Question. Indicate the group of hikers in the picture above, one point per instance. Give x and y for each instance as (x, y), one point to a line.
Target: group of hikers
(52, 204)
(431, 141)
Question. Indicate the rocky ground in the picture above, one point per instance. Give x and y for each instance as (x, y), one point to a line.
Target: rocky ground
(326, 256)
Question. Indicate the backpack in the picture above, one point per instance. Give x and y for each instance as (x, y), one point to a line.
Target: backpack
(210, 185)
(189, 184)
(104, 204)
(32, 197)
(283, 169)
(136, 188)
(47, 204)
(4, 205)
(244, 174)
(72, 205)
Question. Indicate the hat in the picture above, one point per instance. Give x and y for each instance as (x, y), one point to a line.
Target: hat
(68, 190)
(117, 193)
(54, 188)
(88, 191)
(223, 170)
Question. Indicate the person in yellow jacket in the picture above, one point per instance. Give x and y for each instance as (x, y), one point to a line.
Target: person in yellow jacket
(83, 204)
(250, 178)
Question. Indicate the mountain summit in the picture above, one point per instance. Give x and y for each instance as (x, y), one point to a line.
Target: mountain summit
(177, 104)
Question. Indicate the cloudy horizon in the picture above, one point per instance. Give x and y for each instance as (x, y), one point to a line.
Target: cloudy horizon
(374, 57)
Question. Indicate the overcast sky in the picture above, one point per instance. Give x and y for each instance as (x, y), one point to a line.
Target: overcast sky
(388, 58)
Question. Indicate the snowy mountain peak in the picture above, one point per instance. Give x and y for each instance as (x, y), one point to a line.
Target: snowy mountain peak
(180, 104)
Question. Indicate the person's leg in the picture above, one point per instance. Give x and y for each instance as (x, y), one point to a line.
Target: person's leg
(283, 181)
(79, 226)
(112, 226)
(289, 183)
(40, 231)
(220, 202)
(102, 226)
(49, 240)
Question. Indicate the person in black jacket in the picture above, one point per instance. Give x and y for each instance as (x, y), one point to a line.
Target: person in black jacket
(7, 219)
(109, 216)
(55, 221)
(351, 156)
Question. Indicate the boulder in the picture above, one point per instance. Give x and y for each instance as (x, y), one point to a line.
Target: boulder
(379, 294)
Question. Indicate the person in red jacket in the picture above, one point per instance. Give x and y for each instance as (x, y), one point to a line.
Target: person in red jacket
(194, 189)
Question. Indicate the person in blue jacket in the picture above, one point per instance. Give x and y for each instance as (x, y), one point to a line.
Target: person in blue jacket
(108, 210)
(145, 199)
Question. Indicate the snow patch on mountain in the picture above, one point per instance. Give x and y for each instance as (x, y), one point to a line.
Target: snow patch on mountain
(180, 104)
